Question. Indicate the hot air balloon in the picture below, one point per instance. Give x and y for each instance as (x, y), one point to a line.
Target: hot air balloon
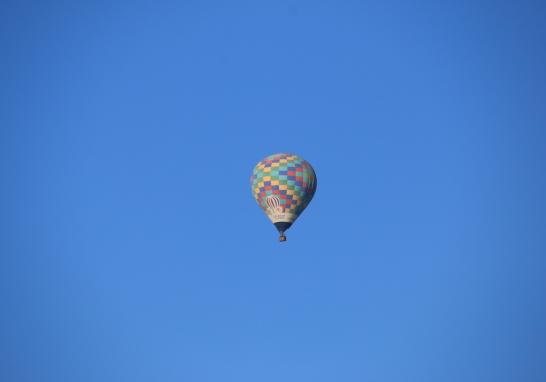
(283, 185)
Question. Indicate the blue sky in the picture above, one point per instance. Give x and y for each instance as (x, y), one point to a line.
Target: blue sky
(131, 247)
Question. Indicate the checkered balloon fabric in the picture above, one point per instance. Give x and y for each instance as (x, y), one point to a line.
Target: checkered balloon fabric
(283, 185)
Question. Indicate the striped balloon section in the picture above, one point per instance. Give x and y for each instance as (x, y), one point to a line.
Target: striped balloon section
(273, 201)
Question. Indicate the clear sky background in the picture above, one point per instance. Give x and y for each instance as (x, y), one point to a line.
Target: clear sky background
(131, 247)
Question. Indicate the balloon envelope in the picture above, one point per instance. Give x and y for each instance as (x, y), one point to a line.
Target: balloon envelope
(283, 185)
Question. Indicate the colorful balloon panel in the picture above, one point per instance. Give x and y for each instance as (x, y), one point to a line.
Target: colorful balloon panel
(283, 185)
